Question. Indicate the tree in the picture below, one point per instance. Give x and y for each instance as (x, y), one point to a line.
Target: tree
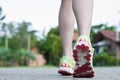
(18, 35)
(3, 27)
(20, 40)
(2, 17)
(51, 46)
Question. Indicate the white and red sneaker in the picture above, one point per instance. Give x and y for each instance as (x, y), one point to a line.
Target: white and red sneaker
(67, 65)
(83, 53)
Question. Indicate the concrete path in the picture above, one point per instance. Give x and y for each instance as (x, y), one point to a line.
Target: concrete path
(101, 73)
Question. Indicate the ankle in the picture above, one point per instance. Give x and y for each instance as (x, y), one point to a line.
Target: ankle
(68, 54)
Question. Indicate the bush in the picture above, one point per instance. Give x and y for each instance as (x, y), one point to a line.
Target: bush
(4, 55)
(20, 57)
(23, 56)
(104, 59)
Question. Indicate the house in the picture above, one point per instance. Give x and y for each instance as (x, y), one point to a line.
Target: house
(109, 40)
(106, 39)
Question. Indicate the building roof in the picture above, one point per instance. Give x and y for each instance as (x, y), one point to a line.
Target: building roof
(110, 34)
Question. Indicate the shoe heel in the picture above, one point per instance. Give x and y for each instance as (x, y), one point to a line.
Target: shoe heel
(86, 69)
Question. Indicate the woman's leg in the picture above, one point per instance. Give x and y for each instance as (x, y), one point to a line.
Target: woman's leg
(83, 50)
(83, 11)
(66, 26)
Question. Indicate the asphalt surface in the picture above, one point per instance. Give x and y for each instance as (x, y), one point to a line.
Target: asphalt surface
(101, 73)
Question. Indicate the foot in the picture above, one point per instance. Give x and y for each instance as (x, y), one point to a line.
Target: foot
(67, 65)
(83, 53)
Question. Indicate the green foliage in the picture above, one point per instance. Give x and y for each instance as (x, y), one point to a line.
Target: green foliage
(75, 31)
(51, 46)
(23, 56)
(3, 54)
(18, 35)
(2, 17)
(104, 59)
(19, 57)
(17, 44)
(54, 31)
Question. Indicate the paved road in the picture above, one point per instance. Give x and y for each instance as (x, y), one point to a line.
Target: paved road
(102, 73)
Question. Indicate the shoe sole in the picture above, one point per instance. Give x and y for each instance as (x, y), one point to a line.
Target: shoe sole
(64, 72)
(83, 59)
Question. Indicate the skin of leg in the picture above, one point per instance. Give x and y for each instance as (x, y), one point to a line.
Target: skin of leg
(66, 26)
(83, 12)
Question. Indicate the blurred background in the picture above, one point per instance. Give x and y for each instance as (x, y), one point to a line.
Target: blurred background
(29, 34)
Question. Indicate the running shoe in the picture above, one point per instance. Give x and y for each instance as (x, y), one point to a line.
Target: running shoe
(67, 65)
(83, 54)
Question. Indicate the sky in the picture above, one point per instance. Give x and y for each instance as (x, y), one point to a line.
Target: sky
(43, 14)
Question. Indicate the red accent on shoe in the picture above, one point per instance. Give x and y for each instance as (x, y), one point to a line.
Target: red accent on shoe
(83, 48)
(92, 73)
(75, 52)
(65, 65)
(87, 57)
(80, 40)
(64, 72)
(76, 58)
(87, 75)
(87, 63)
(88, 51)
(77, 63)
(68, 66)
(89, 68)
(78, 47)
(83, 69)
